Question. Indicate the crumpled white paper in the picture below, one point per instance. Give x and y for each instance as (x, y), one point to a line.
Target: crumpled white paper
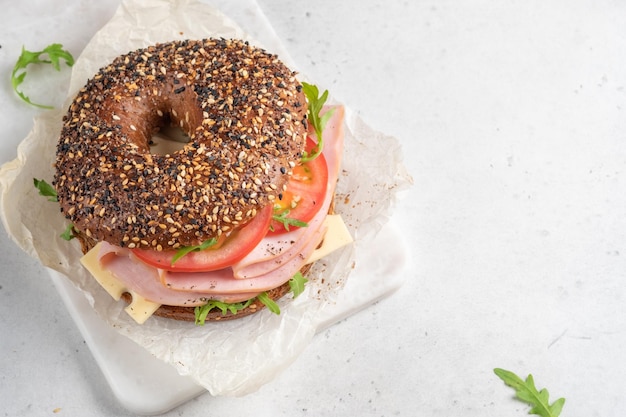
(228, 358)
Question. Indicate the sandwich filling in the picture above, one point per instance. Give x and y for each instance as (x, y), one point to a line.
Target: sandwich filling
(276, 259)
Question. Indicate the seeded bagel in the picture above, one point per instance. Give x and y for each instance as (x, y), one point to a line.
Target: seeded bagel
(245, 114)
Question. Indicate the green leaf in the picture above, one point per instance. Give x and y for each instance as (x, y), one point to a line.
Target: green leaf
(297, 284)
(269, 303)
(528, 393)
(201, 312)
(288, 221)
(316, 104)
(188, 249)
(55, 53)
(45, 189)
(48, 190)
(68, 234)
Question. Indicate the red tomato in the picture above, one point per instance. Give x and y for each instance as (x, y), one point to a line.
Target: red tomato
(236, 246)
(305, 192)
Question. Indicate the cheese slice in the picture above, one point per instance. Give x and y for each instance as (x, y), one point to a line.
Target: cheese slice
(337, 235)
(140, 309)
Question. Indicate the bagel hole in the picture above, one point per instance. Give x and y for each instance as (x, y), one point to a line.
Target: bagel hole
(168, 140)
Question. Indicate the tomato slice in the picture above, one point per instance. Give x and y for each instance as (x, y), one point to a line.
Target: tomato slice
(236, 246)
(304, 194)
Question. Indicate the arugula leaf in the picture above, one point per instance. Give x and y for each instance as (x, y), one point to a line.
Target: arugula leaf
(202, 312)
(68, 234)
(527, 392)
(48, 190)
(269, 303)
(288, 221)
(55, 53)
(297, 284)
(316, 103)
(45, 189)
(196, 248)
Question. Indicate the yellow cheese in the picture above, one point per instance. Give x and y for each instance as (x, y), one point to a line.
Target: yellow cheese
(140, 309)
(337, 236)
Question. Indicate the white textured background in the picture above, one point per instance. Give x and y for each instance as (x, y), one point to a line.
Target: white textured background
(511, 115)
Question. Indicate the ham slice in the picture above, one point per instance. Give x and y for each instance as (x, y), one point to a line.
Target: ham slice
(144, 279)
(272, 263)
(222, 282)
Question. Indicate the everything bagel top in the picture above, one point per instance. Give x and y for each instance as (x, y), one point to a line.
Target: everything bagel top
(245, 114)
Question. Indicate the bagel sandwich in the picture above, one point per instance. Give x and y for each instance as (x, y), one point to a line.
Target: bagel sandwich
(233, 218)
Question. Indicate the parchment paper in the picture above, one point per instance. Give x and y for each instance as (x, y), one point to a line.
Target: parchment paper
(230, 358)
